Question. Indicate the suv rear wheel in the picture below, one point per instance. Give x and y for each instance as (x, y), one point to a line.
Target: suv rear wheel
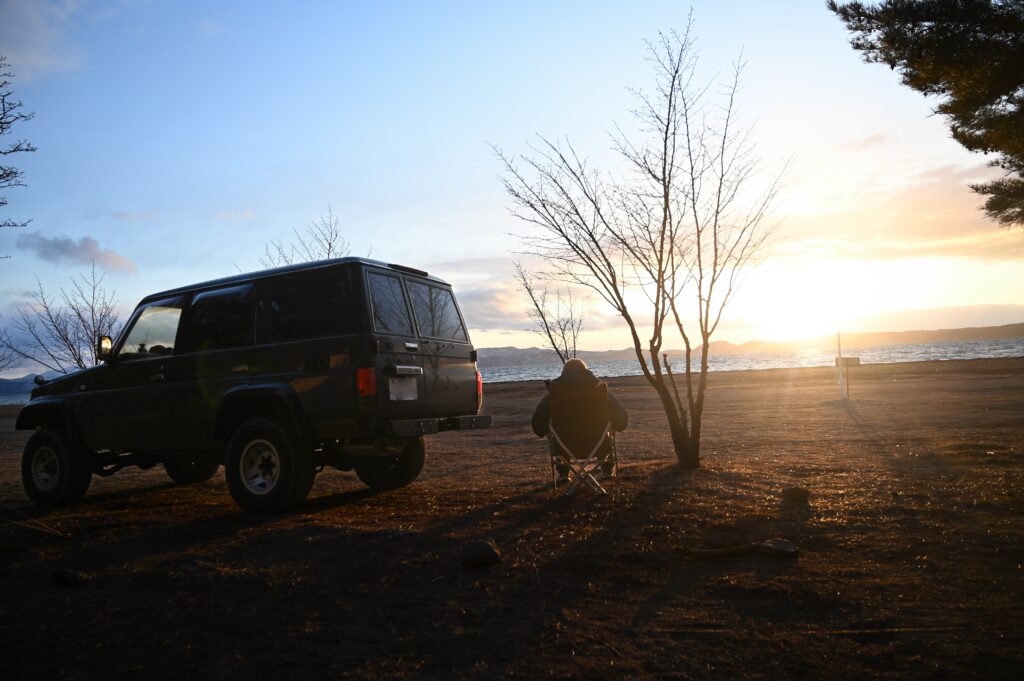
(266, 468)
(197, 467)
(391, 472)
(53, 472)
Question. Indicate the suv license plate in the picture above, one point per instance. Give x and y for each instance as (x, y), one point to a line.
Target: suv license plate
(403, 389)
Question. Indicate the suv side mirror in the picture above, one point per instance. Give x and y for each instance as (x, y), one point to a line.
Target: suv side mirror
(104, 348)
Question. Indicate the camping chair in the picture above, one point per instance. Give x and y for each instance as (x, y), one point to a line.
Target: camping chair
(580, 433)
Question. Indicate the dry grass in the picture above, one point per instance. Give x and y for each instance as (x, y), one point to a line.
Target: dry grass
(910, 565)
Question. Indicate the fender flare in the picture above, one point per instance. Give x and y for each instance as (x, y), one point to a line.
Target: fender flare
(42, 412)
(278, 398)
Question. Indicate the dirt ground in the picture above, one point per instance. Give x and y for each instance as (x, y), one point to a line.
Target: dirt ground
(911, 558)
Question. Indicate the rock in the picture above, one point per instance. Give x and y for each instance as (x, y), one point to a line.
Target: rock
(480, 553)
(69, 577)
(778, 548)
(795, 495)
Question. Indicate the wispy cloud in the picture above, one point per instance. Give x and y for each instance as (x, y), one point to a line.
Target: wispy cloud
(230, 216)
(934, 214)
(875, 140)
(492, 308)
(34, 35)
(85, 250)
(133, 217)
(209, 28)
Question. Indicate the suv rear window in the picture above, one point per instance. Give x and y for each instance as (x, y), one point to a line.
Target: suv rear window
(222, 319)
(314, 304)
(436, 313)
(390, 314)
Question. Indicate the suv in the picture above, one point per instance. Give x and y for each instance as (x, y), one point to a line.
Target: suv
(345, 363)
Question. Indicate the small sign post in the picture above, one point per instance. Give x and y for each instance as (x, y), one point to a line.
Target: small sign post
(843, 365)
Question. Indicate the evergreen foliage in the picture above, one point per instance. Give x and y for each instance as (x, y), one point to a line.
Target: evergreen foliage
(970, 53)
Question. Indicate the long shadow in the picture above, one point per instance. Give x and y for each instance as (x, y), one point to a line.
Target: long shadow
(449, 618)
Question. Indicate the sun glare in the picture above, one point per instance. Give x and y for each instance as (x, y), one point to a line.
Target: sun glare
(800, 301)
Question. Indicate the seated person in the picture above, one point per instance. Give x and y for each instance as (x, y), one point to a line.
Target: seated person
(576, 374)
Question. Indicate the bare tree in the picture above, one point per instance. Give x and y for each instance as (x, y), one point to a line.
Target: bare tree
(7, 358)
(321, 239)
(559, 323)
(10, 115)
(664, 243)
(61, 335)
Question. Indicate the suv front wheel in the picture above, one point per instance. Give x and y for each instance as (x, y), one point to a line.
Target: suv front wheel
(53, 472)
(266, 468)
(391, 472)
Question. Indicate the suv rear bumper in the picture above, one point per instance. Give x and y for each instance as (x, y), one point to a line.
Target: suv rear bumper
(418, 427)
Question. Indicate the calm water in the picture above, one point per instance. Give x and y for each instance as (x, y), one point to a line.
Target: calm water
(881, 354)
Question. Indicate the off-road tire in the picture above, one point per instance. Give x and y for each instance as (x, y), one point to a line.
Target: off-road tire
(385, 473)
(267, 468)
(200, 467)
(53, 472)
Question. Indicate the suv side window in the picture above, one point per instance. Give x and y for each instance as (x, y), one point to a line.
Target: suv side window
(390, 313)
(153, 332)
(221, 319)
(314, 304)
(436, 313)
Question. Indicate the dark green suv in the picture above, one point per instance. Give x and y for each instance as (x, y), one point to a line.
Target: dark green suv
(345, 363)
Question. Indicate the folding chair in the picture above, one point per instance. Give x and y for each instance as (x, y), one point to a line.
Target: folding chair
(580, 433)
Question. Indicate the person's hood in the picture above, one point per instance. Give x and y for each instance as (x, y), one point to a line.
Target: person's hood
(578, 379)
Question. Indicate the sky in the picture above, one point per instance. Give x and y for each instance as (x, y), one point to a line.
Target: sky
(176, 139)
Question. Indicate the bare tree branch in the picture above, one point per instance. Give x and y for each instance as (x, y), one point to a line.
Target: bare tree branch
(11, 115)
(559, 323)
(61, 336)
(682, 225)
(320, 240)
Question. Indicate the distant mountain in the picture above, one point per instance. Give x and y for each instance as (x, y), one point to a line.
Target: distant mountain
(516, 357)
(16, 390)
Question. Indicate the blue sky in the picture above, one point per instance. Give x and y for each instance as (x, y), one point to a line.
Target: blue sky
(175, 139)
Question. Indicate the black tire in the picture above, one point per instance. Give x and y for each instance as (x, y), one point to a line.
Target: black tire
(53, 472)
(267, 469)
(385, 473)
(199, 467)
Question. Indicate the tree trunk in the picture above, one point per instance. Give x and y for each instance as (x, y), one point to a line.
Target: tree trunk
(677, 427)
(694, 443)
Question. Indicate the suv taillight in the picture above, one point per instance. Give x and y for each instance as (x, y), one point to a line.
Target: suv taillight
(366, 381)
(479, 391)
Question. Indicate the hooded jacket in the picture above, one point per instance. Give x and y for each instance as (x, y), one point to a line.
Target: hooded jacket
(580, 379)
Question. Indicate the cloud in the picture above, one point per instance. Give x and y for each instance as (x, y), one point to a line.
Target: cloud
(493, 307)
(84, 251)
(229, 216)
(874, 140)
(934, 214)
(209, 29)
(34, 36)
(133, 217)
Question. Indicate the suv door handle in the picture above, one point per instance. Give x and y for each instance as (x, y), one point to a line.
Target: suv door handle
(156, 377)
(412, 346)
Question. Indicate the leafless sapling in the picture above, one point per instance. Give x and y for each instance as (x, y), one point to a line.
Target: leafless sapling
(664, 243)
(558, 319)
